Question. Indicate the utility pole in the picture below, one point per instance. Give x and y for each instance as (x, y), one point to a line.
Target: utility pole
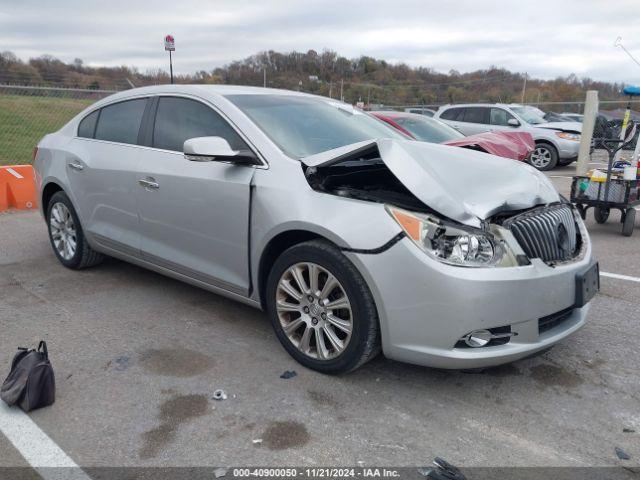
(264, 77)
(524, 86)
(330, 89)
(369, 96)
(341, 90)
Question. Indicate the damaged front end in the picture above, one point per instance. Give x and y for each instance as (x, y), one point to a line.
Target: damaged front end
(460, 210)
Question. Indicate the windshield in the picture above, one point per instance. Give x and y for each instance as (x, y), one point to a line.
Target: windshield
(529, 115)
(303, 126)
(428, 129)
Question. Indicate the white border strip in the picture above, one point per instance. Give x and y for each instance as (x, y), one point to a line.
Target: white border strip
(42, 453)
(620, 277)
(14, 173)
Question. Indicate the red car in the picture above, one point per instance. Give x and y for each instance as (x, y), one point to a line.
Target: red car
(515, 145)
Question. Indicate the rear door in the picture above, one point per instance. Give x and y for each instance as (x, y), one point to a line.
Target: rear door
(101, 173)
(194, 216)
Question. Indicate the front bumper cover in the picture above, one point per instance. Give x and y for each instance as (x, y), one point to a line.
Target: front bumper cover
(425, 306)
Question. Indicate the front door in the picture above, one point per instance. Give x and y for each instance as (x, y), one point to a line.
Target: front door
(194, 216)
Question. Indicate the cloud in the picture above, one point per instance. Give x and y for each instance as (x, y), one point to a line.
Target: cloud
(543, 38)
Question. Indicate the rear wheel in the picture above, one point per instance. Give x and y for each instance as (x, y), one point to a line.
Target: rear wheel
(65, 233)
(544, 157)
(629, 222)
(601, 214)
(321, 309)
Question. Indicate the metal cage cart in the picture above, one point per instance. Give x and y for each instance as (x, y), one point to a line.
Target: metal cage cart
(612, 193)
(605, 194)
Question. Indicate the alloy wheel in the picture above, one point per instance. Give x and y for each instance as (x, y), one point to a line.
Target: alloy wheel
(63, 231)
(314, 311)
(541, 157)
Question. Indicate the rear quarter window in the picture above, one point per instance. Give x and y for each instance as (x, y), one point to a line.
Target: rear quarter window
(121, 121)
(87, 126)
(452, 114)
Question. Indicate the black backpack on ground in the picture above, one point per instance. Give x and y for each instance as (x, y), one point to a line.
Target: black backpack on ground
(31, 383)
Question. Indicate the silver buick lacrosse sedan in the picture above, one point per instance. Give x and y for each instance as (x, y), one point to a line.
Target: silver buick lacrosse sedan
(353, 238)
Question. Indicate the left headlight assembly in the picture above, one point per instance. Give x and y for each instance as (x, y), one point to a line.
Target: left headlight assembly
(450, 244)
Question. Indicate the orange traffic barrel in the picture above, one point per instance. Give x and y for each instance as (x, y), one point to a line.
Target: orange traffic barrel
(17, 187)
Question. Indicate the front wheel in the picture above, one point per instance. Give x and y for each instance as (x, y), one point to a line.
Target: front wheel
(629, 222)
(601, 214)
(321, 309)
(544, 157)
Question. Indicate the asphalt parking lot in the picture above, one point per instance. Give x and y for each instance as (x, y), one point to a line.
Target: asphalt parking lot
(138, 356)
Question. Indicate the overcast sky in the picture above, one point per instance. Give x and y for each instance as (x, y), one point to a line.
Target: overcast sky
(543, 38)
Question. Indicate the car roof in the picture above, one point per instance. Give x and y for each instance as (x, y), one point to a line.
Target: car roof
(464, 105)
(395, 114)
(203, 91)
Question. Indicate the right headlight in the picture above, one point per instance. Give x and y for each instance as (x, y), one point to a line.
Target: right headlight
(451, 244)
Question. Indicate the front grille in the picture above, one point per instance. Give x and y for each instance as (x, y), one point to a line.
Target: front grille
(550, 321)
(549, 233)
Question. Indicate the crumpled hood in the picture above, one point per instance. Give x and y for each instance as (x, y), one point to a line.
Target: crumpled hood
(571, 127)
(461, 184)
(514, 145)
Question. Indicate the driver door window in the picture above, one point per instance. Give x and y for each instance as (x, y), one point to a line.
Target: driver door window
(179, 119)
(500, 117)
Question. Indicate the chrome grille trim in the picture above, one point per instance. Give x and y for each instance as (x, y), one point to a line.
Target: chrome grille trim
(540, 232)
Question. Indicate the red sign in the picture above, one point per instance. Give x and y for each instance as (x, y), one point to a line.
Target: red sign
(169, 43)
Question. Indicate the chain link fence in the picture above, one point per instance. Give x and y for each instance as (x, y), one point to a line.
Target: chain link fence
(28, 113)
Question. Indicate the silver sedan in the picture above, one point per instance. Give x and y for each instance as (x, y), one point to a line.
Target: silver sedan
(353, 238)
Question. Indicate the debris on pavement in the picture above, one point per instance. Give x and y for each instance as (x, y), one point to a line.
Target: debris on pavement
(219, 394)
(443, 471)
(257, 441)
(122, 363)
(220, 472)
(628, 430)
(622, 455)
(288, 374)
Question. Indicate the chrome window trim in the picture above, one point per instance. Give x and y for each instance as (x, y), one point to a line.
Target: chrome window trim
(264, 164)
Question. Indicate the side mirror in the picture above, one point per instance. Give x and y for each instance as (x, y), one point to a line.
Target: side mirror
(512, 122)
(216, 149)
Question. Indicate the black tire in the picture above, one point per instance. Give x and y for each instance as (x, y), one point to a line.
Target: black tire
(84, 255)
(563, 162)
(629, 222)
(365, 336)
(601, 214)
(553, 156)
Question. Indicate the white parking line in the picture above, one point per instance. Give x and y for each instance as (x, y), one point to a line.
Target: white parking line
(42, 453)
(14, 173)
(620, 277)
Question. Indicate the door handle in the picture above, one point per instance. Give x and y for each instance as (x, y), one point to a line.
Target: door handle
(148, 184)
(76, 166)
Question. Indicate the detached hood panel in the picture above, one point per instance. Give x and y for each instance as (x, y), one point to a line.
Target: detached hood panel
(461, 184)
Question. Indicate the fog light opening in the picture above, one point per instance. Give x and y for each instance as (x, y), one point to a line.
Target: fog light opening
(478, 338)
(483, 337)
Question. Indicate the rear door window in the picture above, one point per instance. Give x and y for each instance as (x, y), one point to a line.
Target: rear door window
(179, 119)
(475, 115)
(120, 122)
(87, 126)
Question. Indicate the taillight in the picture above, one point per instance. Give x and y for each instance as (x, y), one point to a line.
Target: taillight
(35, 154)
